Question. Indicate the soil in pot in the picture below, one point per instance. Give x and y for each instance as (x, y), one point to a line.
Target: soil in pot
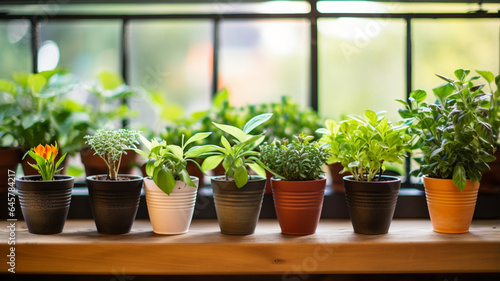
(238, 209)
(45, 204)
(450, 209)
(298, 205)
(11, 157)
(171, 214)
(94, 165)
(114, 203)
(371, 204)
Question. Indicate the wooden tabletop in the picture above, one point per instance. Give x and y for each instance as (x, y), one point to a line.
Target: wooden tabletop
(410, 246)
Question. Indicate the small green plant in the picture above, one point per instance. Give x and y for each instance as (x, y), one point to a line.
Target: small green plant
(110, 145)
(299, 160)
(237, 157)
(494, 104)
(167, 163)
(452, 136)
(363, 144)
(45, 160)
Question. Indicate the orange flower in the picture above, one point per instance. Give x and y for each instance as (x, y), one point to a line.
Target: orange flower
(47, 152)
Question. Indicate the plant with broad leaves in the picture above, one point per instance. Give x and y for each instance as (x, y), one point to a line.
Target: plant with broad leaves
(167, 162)
(301, 159)
(494, 103)
(110, 145)
(363, 144)
(45, 157)
(237, 157)
(452, 134)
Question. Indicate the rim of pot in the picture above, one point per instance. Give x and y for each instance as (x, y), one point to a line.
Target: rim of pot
(61, 178)
(132, 177)
(390, 179)
(252, 178)
(322, 178)
(151, 178)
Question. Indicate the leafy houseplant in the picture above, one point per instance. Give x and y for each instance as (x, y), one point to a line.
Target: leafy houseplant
(45, 198)
(454, 140)
(238, 197)
(114, 198)
(362, 145)
(299, 190)
(170, 189)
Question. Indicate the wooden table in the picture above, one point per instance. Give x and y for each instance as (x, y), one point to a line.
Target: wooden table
(410, 247)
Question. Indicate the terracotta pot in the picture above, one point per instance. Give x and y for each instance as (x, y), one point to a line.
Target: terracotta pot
(11, 157)
(170, 214)
(269, 189)
(94, 165)
(45, 204)
(238, 209)
(371, 204)
(114, 203)
(490, 182)
(30, 171)
(298, 205)
(336, 178)
(450, 209)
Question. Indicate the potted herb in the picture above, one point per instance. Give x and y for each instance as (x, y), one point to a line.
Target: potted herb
(362, 145)
(45, 198)
(454, 144)
(299, 188)
(237, 195)
(108, 112)
(114, 197)
(170, 189)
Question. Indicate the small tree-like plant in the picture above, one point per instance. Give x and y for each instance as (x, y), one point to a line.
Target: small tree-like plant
(299, 160)
(110, 145)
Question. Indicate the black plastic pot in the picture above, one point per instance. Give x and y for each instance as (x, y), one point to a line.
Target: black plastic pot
(45, 204)
(371, 205)
(114, 203)
(238, 209)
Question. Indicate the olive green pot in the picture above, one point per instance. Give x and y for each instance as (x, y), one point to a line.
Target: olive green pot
(238, 209)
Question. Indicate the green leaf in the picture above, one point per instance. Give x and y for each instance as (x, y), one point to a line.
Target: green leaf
(447, 79)
(220, 97)
(211, 162)
(418, 95)
(197, 137)
(241, 176)
(60, 161)
(443, 91)
(488, 76)
(176, 150)
(258, 169)
(233, 131)
(353, 164)
(186, 178)
(150, 167)
(7, 86)
(226, 144)
(461, 74)
(372, 116)
(256, 121)
(146, 143)
(196, 151)
(459, 177)
(110, 80)
(164, 180)
(36, 82)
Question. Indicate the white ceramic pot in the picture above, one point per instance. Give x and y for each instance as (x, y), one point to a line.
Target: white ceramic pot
(171, 214)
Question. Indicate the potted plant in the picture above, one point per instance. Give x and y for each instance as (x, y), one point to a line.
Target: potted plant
(454, 144)
(237, 195)
(45, 198)
(490, 182)
(299, 185)
(108, 112)
(114, 197)
(362, 145)
(170, 189)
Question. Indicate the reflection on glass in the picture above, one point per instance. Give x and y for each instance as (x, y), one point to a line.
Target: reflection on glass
(15, 52)
(261, 60)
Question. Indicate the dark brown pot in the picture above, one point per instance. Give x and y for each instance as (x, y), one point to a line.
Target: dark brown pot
(490, 182)
(30, 171)
(94, 165)
(238, 209)
(336, 178)
(371, 205)
(11, 157)
(114, 203)
(45, 204)
(219, 170)
(298, 205)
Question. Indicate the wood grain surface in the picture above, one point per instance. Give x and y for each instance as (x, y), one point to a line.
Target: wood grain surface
(410, 247)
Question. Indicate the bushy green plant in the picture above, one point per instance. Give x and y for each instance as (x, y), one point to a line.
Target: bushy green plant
(110, 145)
(237, 157)
(452, 135)
(167, 162)
(493, 117)
(299, 160)
(363, 144)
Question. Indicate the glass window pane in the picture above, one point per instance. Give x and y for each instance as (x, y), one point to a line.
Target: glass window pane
(262, 60)
(361, 66)
(174, 58)
(15, 50)
(441, 46)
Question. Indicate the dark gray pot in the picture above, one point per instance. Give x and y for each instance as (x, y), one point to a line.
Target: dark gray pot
(371, 205)
(114, 203)
(238, 209)
(45, 204)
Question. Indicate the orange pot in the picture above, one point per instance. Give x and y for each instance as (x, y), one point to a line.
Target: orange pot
(450, 209)
(298, 205)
